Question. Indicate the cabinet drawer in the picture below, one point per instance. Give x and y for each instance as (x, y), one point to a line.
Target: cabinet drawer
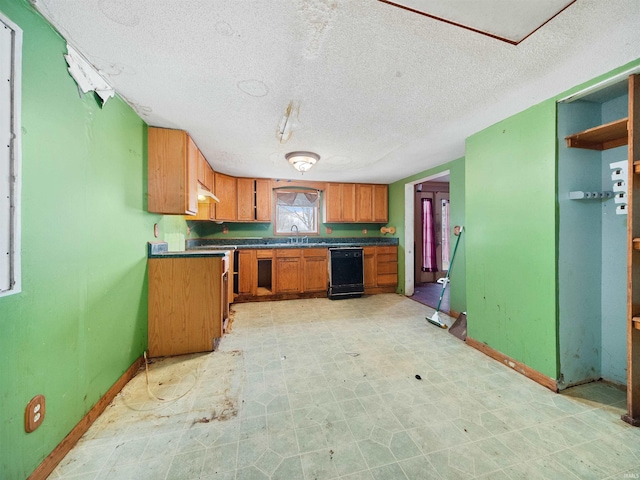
(388, 279)
(288, 252)
(387, 258)
(369, 250)
(314, 252)
(384, 268)
(392, 249)
(264, 253)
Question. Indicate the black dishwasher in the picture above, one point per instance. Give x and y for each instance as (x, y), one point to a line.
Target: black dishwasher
(346, 273)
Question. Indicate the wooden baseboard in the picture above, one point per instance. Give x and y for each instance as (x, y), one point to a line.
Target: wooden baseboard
(49, 464)
(454, 314)
(630, 420)
(519, 367)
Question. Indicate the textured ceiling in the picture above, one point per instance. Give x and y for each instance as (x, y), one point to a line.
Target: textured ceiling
(509, 20)
(378, 92)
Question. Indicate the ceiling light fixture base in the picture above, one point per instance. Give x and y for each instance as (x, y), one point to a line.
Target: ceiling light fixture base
(302, 160)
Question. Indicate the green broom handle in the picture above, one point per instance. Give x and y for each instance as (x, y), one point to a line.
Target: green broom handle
(455, 248)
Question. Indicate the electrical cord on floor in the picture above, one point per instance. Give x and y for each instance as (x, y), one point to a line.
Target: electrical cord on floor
(163, 401)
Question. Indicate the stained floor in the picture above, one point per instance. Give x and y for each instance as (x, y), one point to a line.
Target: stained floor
(321, 389)
(429, 294)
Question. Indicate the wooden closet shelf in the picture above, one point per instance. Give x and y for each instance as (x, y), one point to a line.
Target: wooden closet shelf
(602, 137)
(636, 243)
(636, 166)
(636, 322)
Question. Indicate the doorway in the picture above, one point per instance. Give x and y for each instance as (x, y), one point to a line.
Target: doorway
(432, 242)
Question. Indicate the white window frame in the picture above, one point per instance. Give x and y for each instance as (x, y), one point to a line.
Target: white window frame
(10, 157)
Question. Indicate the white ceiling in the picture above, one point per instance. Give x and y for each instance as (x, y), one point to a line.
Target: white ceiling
(383, 92)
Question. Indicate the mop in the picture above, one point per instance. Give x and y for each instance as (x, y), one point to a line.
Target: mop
(435, 319)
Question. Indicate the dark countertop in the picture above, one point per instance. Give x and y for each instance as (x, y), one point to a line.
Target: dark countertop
(160, 250)
(207, 247)
(311, 242)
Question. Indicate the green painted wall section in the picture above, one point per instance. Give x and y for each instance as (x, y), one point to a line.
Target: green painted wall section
(457, 217)
(262, 230)
(511, 237)
(81, 319)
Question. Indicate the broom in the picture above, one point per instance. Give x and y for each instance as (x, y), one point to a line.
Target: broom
(435, 319)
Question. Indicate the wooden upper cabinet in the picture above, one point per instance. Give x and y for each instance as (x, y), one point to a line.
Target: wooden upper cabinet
(372, 203)
(254, 200)
(340, 202)
(209, 176)
(202, 169)
(172, 179)
(246, 199)
(364, 203)
(380, 203)
(226, 189)
(263, 200)
(353, 203)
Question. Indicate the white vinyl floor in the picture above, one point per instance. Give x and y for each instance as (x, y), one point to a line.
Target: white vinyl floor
(319, 389)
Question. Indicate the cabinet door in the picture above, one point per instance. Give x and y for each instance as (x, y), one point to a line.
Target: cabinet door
(191, 185)
(314, 270)
(208, 177)
(288, 274)
(348, 200)
(263, 200)
(247, 272)
(370, 267)
(364, 203)
(246, 212)
(185, 296)
(172, 173)
(226, 191)
(381, 203)
(340, 202)
(202, 170)
(332, 209)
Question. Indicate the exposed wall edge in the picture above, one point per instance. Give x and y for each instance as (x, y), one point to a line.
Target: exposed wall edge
(49, 464)
(519, 367)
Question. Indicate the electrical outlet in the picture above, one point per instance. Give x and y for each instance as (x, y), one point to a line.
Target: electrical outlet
(34, 413)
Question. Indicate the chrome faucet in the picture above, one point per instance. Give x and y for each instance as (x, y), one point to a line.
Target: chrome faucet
(296, 227)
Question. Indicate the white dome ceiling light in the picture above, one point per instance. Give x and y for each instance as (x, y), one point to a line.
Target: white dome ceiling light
(302, 161)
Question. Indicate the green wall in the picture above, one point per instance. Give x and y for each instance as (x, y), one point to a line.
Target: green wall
(457, 291)
(262, 230)
(511, 237)
(81, 319)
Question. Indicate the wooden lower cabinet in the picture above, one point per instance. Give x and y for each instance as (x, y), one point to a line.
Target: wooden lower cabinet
(387, 266)
(314, 270)
(288, 270)
(380, 269)
(246, 269)
(369, 256)
(186, 306)
(271, 274)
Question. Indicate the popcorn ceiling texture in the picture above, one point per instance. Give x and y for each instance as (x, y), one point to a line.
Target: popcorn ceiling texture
(383, 92)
